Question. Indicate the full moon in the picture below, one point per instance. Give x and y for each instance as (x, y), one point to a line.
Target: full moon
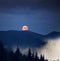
(25, 28)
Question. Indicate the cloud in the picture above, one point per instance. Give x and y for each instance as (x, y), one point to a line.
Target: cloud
(51, 50)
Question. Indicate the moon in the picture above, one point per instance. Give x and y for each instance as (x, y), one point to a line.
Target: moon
(25, 28)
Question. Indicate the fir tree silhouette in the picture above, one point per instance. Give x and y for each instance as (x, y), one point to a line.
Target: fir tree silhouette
(11, 56)
(18, 55)
(42, 58)
(36, 57)
(3, 52)
(6, 55)
(29, 55)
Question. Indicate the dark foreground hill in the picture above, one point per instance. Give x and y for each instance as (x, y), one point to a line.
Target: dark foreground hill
(25, 38)
(22, 38)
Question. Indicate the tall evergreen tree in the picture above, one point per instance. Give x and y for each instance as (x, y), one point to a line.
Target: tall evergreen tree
(18, 55)
(11, 56)
(29, 55)
(3, 52)
(36, 57)
(24, 58)
(29, 52)
(42, 58)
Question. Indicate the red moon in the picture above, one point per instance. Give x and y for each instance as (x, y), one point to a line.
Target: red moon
(25, 28)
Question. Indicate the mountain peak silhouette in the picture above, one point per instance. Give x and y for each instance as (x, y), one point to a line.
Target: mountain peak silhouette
(25, 38)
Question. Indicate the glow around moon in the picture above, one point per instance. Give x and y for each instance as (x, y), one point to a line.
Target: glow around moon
(25, 28)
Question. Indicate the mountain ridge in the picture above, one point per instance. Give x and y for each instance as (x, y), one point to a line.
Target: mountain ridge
(26, 38)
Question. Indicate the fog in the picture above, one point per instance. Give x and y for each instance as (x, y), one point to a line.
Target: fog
(51, 50)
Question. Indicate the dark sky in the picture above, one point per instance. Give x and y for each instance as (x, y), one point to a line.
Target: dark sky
(41, 16)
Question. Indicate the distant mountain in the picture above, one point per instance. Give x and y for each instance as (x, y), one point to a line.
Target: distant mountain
(52, 35)
(22, 38)
(25, 38)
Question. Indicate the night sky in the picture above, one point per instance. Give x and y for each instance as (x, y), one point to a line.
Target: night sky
(41, 16)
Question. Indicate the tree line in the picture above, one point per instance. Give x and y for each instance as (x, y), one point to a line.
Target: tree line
(6, 55)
